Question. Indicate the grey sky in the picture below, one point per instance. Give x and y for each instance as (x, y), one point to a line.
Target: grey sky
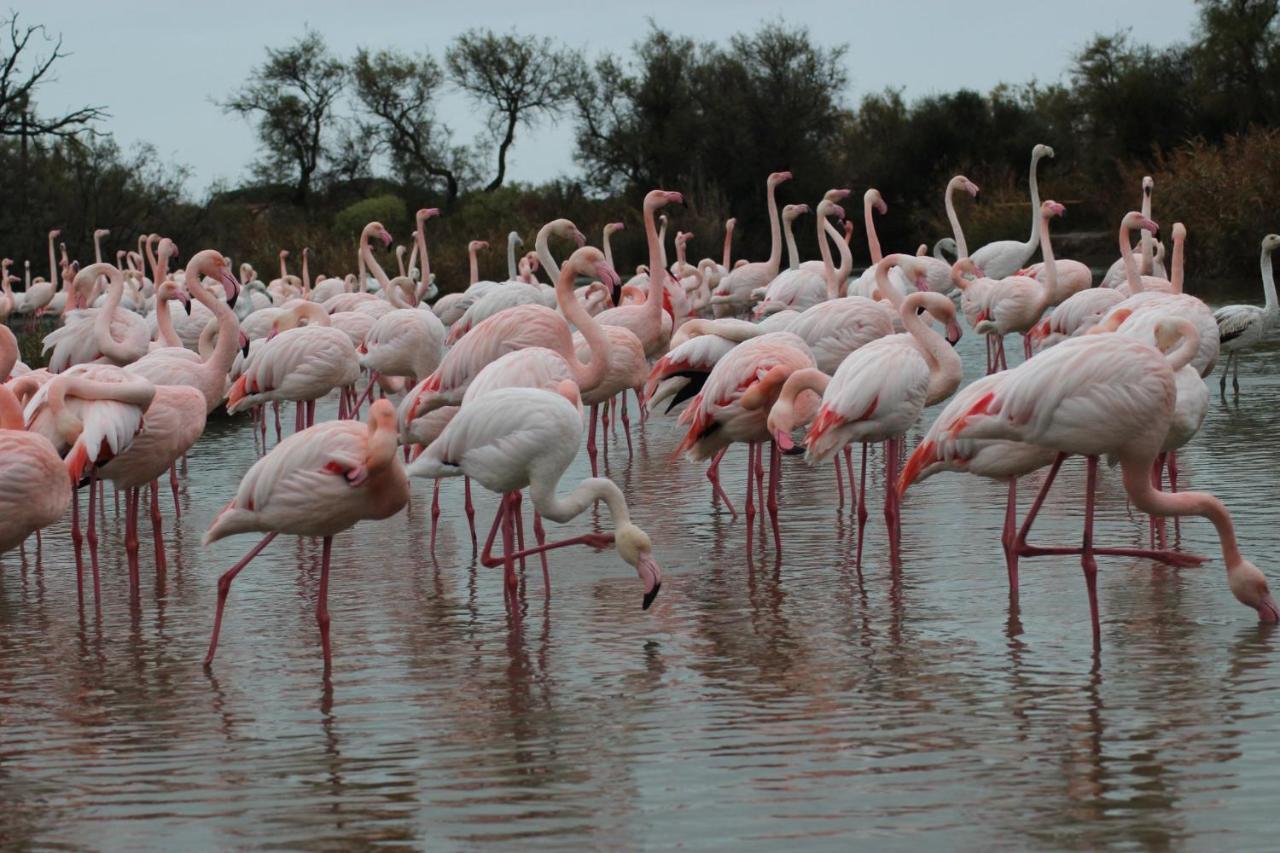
(157, 65)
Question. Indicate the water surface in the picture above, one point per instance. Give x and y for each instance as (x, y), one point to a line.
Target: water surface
(758, 703)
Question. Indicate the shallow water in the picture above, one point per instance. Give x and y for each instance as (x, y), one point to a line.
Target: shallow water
(757, 703)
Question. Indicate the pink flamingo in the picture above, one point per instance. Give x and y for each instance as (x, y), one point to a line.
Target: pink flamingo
(516, 438)
(733, 293)
(1065, 399)
(317, 482)
(34, 486)
(647, 322)
(107, 333)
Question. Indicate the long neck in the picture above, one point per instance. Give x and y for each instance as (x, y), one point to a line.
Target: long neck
(782, 415)
(97, 247)
(775, 232)
(1137, 482)
(793, 256)
(513, 271)
(284, 270)
(1269, 282)
(475, 264)
(828, 269)
(306, 277)
(589, 375)
(1035, 204)
(962, 248)
(421, 238)
(224, 352)
(1176, 272)
(544, 252)
(873, 241)
(102, 323)
(727, 257)
(8, 354)
(371, 262)
(164, 324)
(887, 290)
(1130, 265)
(53, 262)
(10, 410)
(205, 345)
(153, 262)
(1148, 241)
(1050, 284)
(945, 370)
(585, 494)
(657, 266)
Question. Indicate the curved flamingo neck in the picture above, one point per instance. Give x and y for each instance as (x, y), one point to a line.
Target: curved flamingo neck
(608, 248)
(1148, 241)
(775, 231)
(1050, 284)
(887, 290)
(306, 277)
(371, 263)
(224, 351)
(475, 263)
(543, 251)
(10, 410)
(962, 248)
(420, 238)
(164, 324)
(1269, 282)
(657, 266)
(513, 270)
(727, 256)
(1137, 482)
(107, 345)
(782, 415)
(53, 259)
(793, 255)
(588, 376)
(1177, 269)
(868, 215)
(1131, 273)
(828, 269)
(1035, 203)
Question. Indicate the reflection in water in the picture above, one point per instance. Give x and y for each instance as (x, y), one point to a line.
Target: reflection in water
(761, 700)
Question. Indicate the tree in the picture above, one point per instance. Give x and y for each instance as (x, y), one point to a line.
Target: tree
(19, 82)
(293, 95)
(400, 92)
(1237, 62)
(518, 80)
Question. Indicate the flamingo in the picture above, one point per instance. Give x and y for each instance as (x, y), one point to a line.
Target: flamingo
(516, 438)
(1148, 262)
(1241, 327)
(317, 482)
(120, 337)
(648, 322)
(298, 363)
(735, 288)
(1066, 399)
(796, 288)
(34, 486)
(1005, 257)
(878, 392)
(39, 294)
(406, 342)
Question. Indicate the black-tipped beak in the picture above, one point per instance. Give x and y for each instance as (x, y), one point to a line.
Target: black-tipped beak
(186, 306)
(794, 450)
(650, 596)
(245, 349)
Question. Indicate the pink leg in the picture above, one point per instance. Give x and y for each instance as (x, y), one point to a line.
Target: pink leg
(751, 489)
(102, 501)
(76, 542)
(848, 467)
(173, 487)
(839, 483)
(604, 429)
(890, 508)
(591, 440)
(540, 536)
(157, 529)
(1010, 536)
(275, 408)
(470, 510)
(1173, 487)
(508, 552)
(759, 469)
(1087, 562)
(131, 535)
(1026, 348)
(641, 407)
(517, 505)
(342, 404)
(485, 559)
(322, 601)
(626, 421)
(224, 587)
(311, 413)
(775, 482)
(991, 364)
(435, 514)
(862, 505)
(91, 535)
(713, 474)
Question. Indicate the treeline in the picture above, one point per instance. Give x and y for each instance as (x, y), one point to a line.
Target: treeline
(341, 138)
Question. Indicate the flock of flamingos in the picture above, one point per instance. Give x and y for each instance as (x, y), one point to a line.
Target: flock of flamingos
(493, 381)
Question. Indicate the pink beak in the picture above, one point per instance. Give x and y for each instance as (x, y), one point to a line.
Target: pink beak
(783, 439)
(232, 287)
(1268, 611)
(651, 574)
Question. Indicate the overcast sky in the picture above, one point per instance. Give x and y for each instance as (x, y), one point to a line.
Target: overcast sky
(157, 66)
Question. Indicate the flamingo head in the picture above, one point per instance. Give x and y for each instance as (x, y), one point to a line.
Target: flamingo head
(244, 344)
(382, 234)
(1270, 243)
(872, 198)
(965, 184)
(634, 546)
(1052, 208)
(477, 245)
(1041, 151)
(1134, 219)
(1147, 185)
(779, 177)
(792, 211)
(836, 195)
(1249, 586)
(614, 226)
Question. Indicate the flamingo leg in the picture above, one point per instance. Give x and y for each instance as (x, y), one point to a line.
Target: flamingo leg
(626, 422)
(540, 536)
(342, 404)
(157, 528)
(470, 510)
(1222, 380)
(1026, 348)
(76, 542)
(862, 505)
(1235, 373)
(848, 467)
(641, 407)
(1087, 561)
(604, 430)
(485, 558)
(91, 534)
(299, 417)
(517, 502)
(775, 483)
(1173, 487)
(173, 487)
(1008, 538)
(131, 535)
(759, 469)
(508, 552)
(311, 413)
(591, 440)
(224, 587)
(435, 514)
(891, 495)
(713, 474)
(275, 408)
(839, 484)
(322, 600)
(102, 502)
(593, 540)
(751, 489)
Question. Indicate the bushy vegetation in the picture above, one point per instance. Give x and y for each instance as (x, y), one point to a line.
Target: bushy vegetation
(343, 141)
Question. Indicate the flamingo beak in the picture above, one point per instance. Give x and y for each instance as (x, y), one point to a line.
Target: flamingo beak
(784, 440)
(1268, 610)
(386, 238)
(608, 275)
(185, 299)
(579, 238)
(953, 332)
(232, 287)
(881, 207)
(275, 330)
(651, 573)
